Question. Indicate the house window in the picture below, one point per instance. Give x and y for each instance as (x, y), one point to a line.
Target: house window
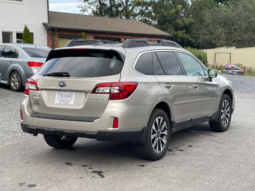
(19, 37)
(7, 37)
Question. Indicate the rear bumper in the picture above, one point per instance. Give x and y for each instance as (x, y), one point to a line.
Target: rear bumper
(134, 136)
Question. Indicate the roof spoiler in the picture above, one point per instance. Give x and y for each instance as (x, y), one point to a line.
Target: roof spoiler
(82, 42)
(132, 43)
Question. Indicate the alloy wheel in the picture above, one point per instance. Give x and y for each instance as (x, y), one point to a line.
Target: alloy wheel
(15, 81)
(225, 113)
(159, 134)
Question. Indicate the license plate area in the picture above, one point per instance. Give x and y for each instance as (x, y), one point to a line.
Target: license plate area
(65, 98)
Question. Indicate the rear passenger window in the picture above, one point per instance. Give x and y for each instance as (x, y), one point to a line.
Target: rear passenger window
(145, 64)
(9, 52)
(169, 63)
(157, 66)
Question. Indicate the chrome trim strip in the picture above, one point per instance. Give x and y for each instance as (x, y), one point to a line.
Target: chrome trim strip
(191, 101)
(206, 99)
(183, 102)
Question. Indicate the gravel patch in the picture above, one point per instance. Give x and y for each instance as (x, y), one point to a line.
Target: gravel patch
(10, 130)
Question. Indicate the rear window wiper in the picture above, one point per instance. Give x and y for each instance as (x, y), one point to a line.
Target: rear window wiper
(62, 74)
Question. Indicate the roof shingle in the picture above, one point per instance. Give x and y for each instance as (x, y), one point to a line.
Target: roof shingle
(67, 21)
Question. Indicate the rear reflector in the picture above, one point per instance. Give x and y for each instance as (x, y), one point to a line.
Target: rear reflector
(30, 85)
(117, 90)
(21, 116)
(35, 64)
(115, 123)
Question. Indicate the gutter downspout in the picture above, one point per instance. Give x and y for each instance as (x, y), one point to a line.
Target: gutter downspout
(53, 33)
(48, 12)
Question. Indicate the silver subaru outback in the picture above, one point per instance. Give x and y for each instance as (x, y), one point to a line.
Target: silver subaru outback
(140, 92)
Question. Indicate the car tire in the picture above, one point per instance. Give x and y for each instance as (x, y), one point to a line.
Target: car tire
(16, 82)
(157, 139)
(59, 141)
(224, 115)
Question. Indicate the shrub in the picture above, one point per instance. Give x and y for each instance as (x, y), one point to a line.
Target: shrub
(83, 35)
(199, 54)
(26, 36)
(217, 67)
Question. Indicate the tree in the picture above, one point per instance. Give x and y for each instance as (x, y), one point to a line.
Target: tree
(83, 35)
(126, 9)
(227, 25)
(198, 8)
(26, 36)
(173, 17)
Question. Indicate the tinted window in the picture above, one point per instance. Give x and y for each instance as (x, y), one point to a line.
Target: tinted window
(37, 52)
(145, 64)
(169, 63)
(192, 67)
(1, 50)
(157, 66)
(84, 64)
(9, 52)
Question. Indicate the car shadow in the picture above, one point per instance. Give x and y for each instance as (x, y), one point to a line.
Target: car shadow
(3, 86)
(92, 152)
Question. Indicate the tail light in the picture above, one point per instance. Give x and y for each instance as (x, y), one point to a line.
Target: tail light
(30, 85)
(117, 90)
(34, 64)
(115, 123)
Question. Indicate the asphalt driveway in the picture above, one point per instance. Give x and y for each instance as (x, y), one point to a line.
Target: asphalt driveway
(197, 158)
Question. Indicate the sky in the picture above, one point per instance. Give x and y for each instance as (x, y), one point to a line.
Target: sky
(68, 6)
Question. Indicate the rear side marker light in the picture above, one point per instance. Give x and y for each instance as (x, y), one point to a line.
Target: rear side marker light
(115, 123)
(30, 85)
(21, 115)
(117, 90)
(34, 64)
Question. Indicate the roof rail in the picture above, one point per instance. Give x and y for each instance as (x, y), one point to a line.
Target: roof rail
(132, 43)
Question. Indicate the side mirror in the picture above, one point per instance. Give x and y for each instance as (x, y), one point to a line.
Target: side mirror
(212, 74)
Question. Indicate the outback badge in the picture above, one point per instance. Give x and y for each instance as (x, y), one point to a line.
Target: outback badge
(62, 84)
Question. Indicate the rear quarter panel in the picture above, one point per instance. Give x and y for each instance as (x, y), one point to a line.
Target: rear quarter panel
(148, 93)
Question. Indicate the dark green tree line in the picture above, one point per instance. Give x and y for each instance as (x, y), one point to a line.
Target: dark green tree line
(194, 23)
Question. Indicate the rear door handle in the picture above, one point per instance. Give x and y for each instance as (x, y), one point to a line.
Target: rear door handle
(195, 86)
(11, 62)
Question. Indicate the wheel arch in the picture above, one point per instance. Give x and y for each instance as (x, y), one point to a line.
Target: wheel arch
(18, 69)
(165, 107)
(229, 93)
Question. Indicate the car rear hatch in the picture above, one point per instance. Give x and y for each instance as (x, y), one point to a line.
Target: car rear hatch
(66, 81)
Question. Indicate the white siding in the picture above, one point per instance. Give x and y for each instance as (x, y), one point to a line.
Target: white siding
(15, 15)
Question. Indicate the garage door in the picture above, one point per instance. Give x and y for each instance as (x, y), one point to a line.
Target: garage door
(62, 39)
(62, 42)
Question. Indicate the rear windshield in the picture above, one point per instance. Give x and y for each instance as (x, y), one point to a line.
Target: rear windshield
(87, 63)
(37, 52)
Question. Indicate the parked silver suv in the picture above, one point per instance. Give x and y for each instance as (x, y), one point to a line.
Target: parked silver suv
(139, 92)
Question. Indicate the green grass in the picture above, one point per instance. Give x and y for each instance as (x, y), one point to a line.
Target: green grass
(251, 75)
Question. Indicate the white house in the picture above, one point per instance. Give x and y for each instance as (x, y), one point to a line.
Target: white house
(15, 14)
